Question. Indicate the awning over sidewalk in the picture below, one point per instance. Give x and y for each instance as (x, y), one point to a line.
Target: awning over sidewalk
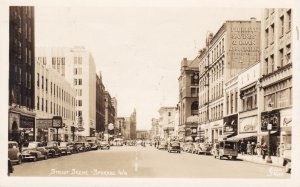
(242, 136)
(265, 133)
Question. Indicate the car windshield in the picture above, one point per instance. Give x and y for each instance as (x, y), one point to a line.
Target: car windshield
(11, 145)
(63, 144)
(50, 143)
(229, 145)
(174, 144)
(32, 145)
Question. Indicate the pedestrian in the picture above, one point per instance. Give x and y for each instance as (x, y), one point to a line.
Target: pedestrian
(242, 147)
(252, 148)
(264, 150)
(281, 150)
(258, 148)
(248, 148)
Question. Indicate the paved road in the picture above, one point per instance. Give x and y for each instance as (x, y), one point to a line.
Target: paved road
(145, 162)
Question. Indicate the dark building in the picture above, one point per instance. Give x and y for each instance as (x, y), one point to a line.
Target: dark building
(109, 114)
(133, 125)
(21, 120)
(100, 104)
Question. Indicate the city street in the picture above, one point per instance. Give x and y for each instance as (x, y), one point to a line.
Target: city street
(138, 161)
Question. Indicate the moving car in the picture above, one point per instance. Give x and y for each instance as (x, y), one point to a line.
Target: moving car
(65, 148)
(94, 145)
(188, 146)
(79, 146)
(87, 146)
(54, 149)
(174, 147)
(196, 148)
(163, 145)
(205, 148)
(34, 151)
(14, 154)
(104, 145)
(226, 149)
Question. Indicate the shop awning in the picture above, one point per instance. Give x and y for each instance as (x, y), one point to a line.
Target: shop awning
(265, 133)
(224, 136)
(242, 136)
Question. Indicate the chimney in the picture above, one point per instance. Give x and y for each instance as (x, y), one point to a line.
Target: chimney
(184, 62)
(253, 19)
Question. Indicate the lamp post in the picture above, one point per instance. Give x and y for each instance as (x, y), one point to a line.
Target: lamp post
(269, 160)
(269, 128)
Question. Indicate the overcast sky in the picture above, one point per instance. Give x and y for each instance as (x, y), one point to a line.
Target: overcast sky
(138, 50)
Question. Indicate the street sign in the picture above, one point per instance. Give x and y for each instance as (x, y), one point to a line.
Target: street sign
(57, 122)
(43, 123)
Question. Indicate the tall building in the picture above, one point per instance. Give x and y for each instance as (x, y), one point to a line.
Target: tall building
(54, 96)
(167, 122)
(114, 103)
(120, 125)
(21, 122)
(109, 115)
(155, 129)
(100, 105)
(133, 125)
(188, 97)
(234, 47)
(276, 81)
(81, 70)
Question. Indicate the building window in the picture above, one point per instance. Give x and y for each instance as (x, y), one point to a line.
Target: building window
(79, 102)
(38, 103)
(281, 57)
(231, 103)
(281, 26)
(46, 106)
(272, 64)
(79, 81)
(79, 71)
(288, 53)
(266, 66)
(46, 84)
(272, 33)
(75, 71)
(51, 88)
(75, 81)
(266, 38)
(29, 80)
(227, 103)
(42, 104)
(42, 82)
(236, 101)
(79, 113)
(289, 20)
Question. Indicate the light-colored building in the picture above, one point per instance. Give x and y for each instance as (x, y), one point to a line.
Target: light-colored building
(155, 129)
(81, 71)
(276, 81)
(54, 96)
(188, 97)
(166, 122)
(234, 47)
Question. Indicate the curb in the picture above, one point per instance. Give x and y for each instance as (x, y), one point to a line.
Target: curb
(261, 163)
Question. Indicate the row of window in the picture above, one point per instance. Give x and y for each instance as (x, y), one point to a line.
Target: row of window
(77, 82)
(232, 103)
(77, 71)
(216, 91)
(55, 90)
(55, 109)
(77, 60)
(18, 77)
(216, 113)
(284, 58)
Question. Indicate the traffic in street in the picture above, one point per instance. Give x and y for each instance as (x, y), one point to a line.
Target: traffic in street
(145, 161)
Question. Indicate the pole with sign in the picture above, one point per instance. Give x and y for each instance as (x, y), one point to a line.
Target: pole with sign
(57, 124)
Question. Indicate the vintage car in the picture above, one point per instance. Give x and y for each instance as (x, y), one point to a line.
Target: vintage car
(87, 146)
(104, 145)
(174, 147)
(226, 149)
(54, 149)
(163, 145)
(196, 148)
(94, 145)
(79, 146)
(188, 146)
(205, 148)
(14, 154)
(34, 151)
(65, 148)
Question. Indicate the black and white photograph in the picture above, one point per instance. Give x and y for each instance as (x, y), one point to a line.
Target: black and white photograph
(132, 93)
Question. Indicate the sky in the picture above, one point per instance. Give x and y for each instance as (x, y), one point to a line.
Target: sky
(137, 49)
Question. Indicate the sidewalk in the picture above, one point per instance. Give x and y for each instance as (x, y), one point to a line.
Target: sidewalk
(276, 161)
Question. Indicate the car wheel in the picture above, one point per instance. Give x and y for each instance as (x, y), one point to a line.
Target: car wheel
(20, 160)
(45, 157)
(287, 167)
(34, 159)
(220, 157)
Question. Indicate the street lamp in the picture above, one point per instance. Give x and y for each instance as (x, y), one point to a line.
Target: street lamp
(269, 128)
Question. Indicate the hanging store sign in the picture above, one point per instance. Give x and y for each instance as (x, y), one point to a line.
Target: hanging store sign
(26, 122)
(248, 124)
(43, 123)
(273, 118)
(230, 124)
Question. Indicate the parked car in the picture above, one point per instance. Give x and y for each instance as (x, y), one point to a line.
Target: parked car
(87, 146)
(34, 151)
(174, 147)
(163, 145)
(104, 145)
(14, 154)
(205, 148)
(196, 148)
(54, 149)
(65, 148)
(187, 147)
(94, 145)
(79, 146)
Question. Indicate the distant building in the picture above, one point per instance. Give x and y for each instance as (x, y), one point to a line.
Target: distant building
(109, 115)
(21, 122)
(120, 125)
(188, 97)
(155, 129)
(100, 105)
(142, 134)
(133, 125)
(167, 121)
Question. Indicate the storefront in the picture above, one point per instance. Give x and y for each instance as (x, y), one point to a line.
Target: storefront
(230, 125)
(286, 128)
(214, 131)
(21, 125)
